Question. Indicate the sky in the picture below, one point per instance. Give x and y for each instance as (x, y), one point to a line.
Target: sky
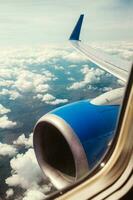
(35, 22)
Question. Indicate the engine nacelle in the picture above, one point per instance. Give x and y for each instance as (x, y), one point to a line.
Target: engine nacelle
(70, 140)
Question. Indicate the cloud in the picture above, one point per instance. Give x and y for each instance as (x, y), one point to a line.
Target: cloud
(26, 81)
(45, 98)
(32, 70)
(74, 57)
(71, 79)
(37, 193)
(7, 150)
(50, 99)
(13, 94)
(106, 89)
(32, 82)
(91, 76)
(6, 123)
(123, 50)
(9, 193)
(34, 194)
(19, 76)
(121, 82)
(6, 83)
(72, 66)
(26, 172)
(42, 88)
(57, 101)
(23, 141)
(77, 85)
(58, 67)
(24, 55)
(38, 96)
(6, 73)
(4, 110)
(127, 55)
(48, 75)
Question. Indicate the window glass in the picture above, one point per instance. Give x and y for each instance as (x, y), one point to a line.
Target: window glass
(40, 71)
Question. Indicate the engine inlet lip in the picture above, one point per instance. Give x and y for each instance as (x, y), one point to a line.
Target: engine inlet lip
(59, 179)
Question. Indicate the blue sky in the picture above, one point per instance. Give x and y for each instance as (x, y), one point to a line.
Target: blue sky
(32, 22)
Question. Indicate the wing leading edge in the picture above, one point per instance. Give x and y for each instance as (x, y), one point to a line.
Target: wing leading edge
(116, 67)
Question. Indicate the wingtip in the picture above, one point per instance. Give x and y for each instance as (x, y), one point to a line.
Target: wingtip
(77, 29)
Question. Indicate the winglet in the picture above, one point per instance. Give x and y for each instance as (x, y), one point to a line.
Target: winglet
(76, 32)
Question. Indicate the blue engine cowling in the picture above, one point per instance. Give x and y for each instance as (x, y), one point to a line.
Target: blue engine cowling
(70, 140)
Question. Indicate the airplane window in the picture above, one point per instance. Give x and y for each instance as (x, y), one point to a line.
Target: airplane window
(59, 100)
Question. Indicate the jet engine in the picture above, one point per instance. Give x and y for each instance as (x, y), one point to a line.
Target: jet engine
(70, 140)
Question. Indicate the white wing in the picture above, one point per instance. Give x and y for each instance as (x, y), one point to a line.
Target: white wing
(117, 67)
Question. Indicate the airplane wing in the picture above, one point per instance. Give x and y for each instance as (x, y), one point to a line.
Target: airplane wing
(117, 67)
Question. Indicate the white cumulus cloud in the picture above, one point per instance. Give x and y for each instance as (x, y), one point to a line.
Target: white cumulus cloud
(13, 94)
(34, 194)
(7, 150)
(28, 81)
(26, 172)
(4, 110)
(6, 83)
(42, 88)
(6, 123)
(57, 101)
(50, 99)
(91, 76)
(23, 141)
(9, 193)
